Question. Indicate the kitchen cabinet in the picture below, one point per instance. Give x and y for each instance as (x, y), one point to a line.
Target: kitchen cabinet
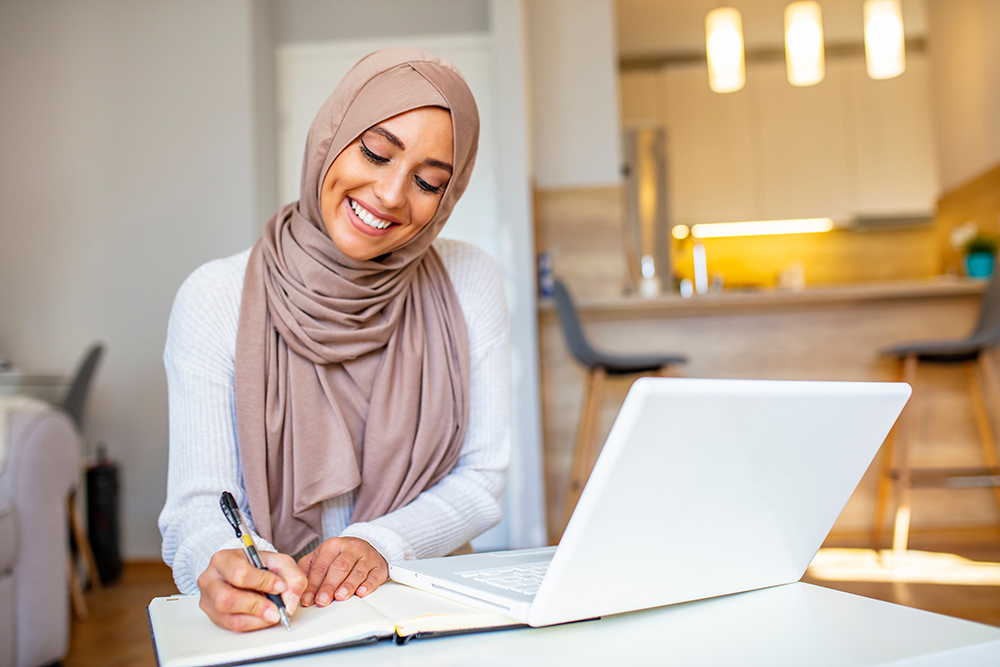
(847, 148)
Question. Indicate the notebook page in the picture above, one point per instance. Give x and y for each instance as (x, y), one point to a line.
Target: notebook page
(416, 611)
(185, 637)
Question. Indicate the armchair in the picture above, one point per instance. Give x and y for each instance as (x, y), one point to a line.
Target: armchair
(41, 466)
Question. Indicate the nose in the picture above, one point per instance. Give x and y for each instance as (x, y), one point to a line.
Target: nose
(391, 189)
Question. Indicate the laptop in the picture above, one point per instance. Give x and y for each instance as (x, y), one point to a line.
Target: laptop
(703, 488)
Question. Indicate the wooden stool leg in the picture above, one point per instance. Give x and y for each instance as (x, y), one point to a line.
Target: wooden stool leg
(82, 542)
(584, 451)
(982, 416)
(884, 487)
(901, 528)
(75, 585)
(885, 473)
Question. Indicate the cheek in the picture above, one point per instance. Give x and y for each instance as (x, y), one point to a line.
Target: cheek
(425, 211)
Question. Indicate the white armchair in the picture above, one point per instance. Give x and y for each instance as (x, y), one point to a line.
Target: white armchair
(42, 464)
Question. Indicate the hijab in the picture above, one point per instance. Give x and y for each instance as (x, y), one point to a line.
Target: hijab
(353, 374)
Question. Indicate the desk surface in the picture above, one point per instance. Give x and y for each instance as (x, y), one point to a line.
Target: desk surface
(797, 624)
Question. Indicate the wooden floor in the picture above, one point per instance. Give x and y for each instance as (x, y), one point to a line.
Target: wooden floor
(116, 634)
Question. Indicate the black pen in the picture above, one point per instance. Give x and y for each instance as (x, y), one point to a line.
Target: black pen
(235, 518)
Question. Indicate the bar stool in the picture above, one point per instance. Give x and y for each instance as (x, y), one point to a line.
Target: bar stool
(599, 366)
(974, 352)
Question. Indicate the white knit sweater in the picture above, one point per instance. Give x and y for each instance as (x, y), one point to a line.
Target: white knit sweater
(204, 457)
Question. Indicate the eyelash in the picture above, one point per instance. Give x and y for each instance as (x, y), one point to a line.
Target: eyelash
(379, 160)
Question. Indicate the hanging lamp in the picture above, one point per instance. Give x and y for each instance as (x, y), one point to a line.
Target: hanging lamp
(804, 43)
(885, 50)
(724, 46)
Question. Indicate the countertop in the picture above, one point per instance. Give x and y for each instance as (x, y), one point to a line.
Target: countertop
(769, 299)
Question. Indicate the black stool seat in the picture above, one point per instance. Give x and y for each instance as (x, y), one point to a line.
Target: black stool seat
(584, 352)
(943, 351)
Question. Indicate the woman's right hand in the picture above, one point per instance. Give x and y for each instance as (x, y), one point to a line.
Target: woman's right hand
(232, 590)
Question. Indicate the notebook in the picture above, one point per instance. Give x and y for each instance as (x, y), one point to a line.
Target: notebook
(703, 488)
(183, 636)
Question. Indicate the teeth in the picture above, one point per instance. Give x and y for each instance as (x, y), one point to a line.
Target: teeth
(368, 218)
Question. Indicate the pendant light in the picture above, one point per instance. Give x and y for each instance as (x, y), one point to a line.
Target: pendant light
(804, 43)
(885, 51)
(724, 45)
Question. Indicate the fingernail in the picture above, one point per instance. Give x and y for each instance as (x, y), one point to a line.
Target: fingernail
(279, 586)
(306, 599)
(342, 593)
(362, 590)
(323, 599)
(271, 615)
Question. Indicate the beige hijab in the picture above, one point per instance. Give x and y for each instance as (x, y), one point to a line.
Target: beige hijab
(353, 374)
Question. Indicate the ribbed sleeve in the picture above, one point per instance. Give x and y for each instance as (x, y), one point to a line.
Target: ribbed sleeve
(204, 456)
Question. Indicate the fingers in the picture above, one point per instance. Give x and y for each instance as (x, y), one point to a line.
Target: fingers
(339, 568)
(289, 573)
(231, 589)
(233, 566)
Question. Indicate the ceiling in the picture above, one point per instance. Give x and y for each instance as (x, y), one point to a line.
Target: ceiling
(677, 27)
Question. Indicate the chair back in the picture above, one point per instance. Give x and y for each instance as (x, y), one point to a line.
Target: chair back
(570, 322)
(76, 397)
(988, 327)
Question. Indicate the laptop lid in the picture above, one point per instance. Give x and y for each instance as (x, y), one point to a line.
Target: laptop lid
(711, 487)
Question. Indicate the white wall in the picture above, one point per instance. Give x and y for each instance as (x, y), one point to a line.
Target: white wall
(323, 20)
(125, 134)
(964, 42)
(573, 62)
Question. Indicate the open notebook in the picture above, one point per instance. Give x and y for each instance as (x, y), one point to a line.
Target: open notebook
(183, 636)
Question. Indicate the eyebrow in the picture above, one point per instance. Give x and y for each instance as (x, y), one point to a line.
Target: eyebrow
(395, 141)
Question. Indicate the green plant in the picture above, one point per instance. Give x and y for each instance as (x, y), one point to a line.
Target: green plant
(982, 243)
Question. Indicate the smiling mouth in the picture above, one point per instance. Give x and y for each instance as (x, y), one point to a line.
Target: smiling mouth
(366, 216)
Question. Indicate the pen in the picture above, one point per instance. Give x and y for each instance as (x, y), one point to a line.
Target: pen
(232, 512)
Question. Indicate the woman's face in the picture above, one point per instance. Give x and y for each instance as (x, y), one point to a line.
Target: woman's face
(386, 185)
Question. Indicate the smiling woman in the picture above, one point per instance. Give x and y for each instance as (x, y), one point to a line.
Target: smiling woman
(347, 379)
(385, 187)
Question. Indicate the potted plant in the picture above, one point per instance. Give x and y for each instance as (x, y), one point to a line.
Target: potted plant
(980, 250)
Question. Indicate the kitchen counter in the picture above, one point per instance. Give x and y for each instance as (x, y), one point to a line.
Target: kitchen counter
(820, 333)
(744, 300)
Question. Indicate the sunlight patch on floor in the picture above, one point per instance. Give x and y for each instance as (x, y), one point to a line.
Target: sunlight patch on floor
(923, 567)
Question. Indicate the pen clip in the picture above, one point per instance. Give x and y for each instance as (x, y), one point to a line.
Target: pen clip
(232, 511)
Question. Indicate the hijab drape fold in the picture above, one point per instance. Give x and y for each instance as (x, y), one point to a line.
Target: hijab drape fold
(353, 374)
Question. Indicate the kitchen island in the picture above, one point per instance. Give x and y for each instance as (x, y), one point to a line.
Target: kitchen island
(822, 333)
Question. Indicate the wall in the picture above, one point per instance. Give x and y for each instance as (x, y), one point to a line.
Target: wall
(964, 77)
(125, 134)
(322, 20)
(574, 93)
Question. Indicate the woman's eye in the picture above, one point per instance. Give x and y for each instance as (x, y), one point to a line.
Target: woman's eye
(427, 187)
(372, 157)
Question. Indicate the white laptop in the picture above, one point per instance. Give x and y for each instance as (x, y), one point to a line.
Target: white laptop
(703, 488)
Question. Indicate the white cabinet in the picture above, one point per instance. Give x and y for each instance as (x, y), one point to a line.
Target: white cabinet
(802, 150)
(710, 149)
(845, 148)
(894, 140)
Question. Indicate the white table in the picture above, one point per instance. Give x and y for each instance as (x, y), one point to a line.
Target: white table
(796, 624)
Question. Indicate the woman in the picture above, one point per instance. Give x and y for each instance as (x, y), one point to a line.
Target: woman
(346, 380)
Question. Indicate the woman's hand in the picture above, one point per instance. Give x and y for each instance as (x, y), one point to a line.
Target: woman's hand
(340, 567)
(232, 590)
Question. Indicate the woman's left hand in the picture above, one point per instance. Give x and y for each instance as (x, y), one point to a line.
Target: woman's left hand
(340, 567)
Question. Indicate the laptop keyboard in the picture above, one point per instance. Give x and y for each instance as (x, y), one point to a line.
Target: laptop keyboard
(519, 578)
